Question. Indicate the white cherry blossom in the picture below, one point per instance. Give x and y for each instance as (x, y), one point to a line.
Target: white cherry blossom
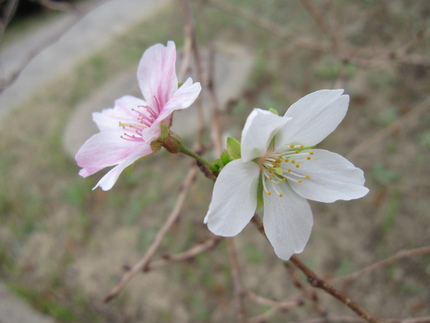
(279, 163)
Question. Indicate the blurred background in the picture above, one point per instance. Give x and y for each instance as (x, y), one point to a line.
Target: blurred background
(63, 246)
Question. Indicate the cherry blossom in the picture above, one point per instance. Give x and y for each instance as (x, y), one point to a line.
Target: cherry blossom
(128, 129)
(279, 166)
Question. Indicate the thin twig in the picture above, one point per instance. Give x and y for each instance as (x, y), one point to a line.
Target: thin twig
(189, 178)
(237, 281)
(8, 13)
(308, 293)
(386, 132)
(190, 254)
(387, 261)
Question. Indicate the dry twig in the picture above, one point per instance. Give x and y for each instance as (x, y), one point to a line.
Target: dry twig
(139, 266)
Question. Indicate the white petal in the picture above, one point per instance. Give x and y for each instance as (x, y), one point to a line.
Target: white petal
(260, 128)
(314, 117)
(287, 220)
(234, 198)
(332, 178)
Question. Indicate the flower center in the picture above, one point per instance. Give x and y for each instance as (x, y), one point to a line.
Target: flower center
(283, 166)
(142, 117)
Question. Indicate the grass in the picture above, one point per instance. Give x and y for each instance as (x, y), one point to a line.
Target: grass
(57, 233)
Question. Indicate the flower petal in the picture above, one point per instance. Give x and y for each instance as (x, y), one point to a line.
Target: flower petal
(287, 220)
(314, 117)
(156, 74)
(104, 149)
(332, 178)
(107, 181)
(234, 198)
(181, 99)
(123, 112)
(259, 130)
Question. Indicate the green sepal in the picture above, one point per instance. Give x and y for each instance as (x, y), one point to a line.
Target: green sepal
(274, 111)
(233, 148)
(220, 163)
(164, 131)
(260, 199)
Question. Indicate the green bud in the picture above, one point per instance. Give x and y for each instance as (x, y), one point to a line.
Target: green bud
(274, 111)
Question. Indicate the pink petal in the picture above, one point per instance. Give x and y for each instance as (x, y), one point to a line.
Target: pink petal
(109, 119)
(104, 149)
(107, 181)
(181, 99)
(156, 74)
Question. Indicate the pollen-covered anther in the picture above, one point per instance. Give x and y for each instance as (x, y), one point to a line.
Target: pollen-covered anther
(299, 181)
(298, 166)
(308, 176)
(281, 195)
(269, 193)
(292, 146)
(308, 158)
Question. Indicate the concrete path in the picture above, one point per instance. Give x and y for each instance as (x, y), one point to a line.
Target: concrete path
(93, 31)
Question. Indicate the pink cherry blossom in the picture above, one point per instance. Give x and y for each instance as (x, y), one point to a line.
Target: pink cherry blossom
(127, 129)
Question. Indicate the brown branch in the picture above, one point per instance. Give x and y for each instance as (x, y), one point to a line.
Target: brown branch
(349, 319)
(158, 238)
(317, 282)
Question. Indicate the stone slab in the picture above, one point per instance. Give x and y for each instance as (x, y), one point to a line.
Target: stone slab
(15, 310)
(91, 33)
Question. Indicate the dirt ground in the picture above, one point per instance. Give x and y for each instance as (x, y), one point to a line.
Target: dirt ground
(63, 246)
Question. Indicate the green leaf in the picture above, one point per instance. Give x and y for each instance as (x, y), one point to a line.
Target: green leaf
(233, 148)
(219, 164)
